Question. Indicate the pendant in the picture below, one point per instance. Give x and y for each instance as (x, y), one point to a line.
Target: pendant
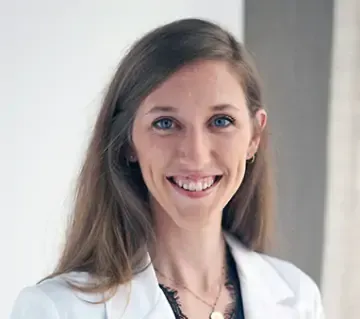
(216, 315)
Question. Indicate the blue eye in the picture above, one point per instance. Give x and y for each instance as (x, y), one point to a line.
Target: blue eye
(164, 124)
(223, 121)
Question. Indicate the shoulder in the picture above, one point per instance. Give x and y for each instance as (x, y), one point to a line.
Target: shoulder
(270, 268)
(305, 290)
(277, 280)
(54, 298)
(299, 282)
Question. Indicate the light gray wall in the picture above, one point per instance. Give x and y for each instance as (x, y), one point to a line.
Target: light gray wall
(291, 43)
(341, 267)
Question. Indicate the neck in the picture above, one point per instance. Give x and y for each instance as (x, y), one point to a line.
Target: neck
(189, 257)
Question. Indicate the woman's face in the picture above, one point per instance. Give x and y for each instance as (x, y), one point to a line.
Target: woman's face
(192, 137)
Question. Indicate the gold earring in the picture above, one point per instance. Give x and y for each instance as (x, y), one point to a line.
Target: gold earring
(130, 159)
(252, 159)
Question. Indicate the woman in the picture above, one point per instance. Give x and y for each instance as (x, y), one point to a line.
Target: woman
(172, 212)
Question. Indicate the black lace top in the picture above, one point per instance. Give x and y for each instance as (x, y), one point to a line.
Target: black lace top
(234, 310)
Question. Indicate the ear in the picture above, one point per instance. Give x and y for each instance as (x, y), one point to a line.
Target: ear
(259, 125)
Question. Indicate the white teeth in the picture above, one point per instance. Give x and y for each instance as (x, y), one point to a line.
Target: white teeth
(197, 186)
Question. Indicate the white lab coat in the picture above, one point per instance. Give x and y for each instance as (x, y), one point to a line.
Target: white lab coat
(271, 289)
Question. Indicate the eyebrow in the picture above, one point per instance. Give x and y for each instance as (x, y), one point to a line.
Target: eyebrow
(172, 109)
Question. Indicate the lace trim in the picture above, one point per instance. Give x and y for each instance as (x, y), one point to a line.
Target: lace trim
(231, 307)
(231, 285)
(174, 301)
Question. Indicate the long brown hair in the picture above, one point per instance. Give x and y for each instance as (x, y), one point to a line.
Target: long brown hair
(111, 224)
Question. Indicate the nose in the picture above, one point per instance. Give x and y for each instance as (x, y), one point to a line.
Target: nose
(195, 149)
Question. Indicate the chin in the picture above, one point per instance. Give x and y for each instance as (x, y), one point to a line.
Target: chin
(193, 217)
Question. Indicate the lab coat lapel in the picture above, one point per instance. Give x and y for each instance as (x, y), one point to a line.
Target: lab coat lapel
(140, 299)
(265, 294)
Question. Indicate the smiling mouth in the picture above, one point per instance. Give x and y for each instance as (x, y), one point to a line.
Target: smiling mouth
(199, 185)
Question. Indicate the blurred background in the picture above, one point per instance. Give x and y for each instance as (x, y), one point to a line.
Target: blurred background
(56, 58)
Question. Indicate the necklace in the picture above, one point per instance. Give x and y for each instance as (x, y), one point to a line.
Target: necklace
(213, 314)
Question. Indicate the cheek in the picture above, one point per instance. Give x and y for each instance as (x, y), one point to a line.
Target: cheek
(153, 153)
(233, 148)
(233, 155)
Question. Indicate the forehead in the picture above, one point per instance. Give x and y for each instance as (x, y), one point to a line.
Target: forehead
(203, 83)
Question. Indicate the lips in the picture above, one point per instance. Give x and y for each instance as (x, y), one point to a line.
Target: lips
(195, 184)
